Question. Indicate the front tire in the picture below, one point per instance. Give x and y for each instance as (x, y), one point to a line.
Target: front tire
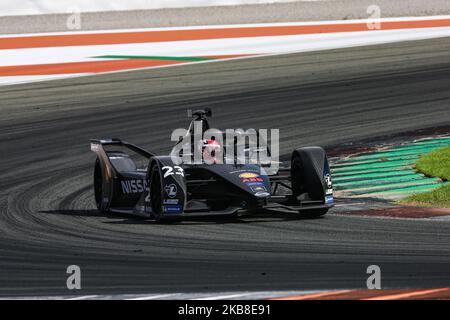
(305, 179)
(308, 166)
(156, 192)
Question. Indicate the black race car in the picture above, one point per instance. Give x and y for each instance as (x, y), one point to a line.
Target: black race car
(129, 179)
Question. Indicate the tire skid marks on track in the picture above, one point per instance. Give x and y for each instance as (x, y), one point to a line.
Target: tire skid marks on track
(121, 254)
(347, 294)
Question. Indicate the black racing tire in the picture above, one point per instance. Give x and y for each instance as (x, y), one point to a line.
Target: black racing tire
(98, 184)
(156, 192)
(304, 178)
(297, 175)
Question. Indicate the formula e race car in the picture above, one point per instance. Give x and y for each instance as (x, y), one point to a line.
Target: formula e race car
(129, 179)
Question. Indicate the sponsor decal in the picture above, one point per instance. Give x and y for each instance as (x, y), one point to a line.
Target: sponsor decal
(95, 147)
(171, 201)
(257, 189)
(171, 190)
(329, 191)
(246, 170)
(170, 171)
(248, 180)
(147, 197)
(248, 175)
(327, 178)
(173, 208)
(329, 199)
(133, 186)
(262, 194)
(254, 184)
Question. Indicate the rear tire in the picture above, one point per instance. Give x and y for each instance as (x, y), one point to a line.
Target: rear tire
(98, 184)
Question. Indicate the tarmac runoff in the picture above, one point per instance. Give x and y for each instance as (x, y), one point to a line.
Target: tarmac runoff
(387, 173)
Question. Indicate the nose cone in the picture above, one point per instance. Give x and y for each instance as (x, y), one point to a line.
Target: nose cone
(250, 178)
(255, 181)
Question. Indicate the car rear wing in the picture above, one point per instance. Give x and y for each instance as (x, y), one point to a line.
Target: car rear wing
(97, 146)
(108, 169)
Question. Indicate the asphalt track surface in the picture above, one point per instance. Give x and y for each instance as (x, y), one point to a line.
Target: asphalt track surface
(48, 219)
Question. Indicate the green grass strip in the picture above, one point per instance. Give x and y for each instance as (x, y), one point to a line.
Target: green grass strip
(154, 58)
(439, 197)
(436, 163)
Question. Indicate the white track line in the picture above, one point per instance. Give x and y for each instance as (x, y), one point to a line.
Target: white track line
(82, 297)
(222, 297)
(152, 297)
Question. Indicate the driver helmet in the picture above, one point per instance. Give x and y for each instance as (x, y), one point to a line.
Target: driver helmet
(211, 151)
